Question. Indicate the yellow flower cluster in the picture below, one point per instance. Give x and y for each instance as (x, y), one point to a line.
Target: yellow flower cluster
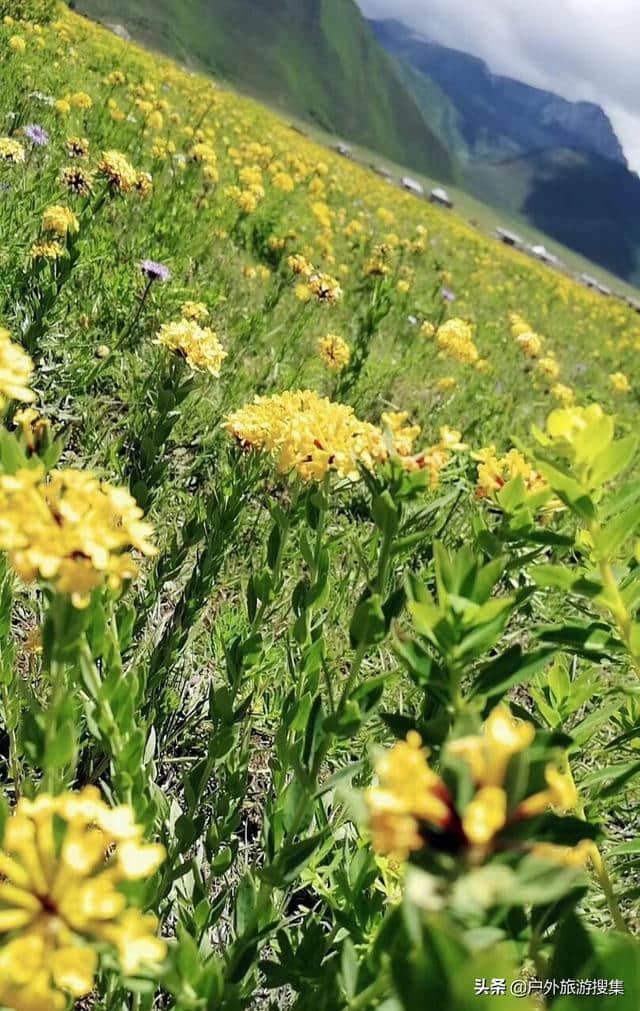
(427, 330)
(335, 351)
(563, 393)
(70, 529)
(61, 863)
(49, 249)
(619, 382)
(77, 147)
(60, 220)
(402, 439)
(77, 180)
(314, 435)
(199, 346)
(34, 428)
(16, 369)
(496, 471)
(196, 311)
(11, 151)
(456, 338)
(119, 172)
(322, 287)
(530, 342)
(411, 800)
(409, 793)
(519, 325)
(549, 366)
(310, 433)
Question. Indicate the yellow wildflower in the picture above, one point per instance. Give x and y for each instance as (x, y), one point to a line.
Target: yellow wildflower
(485, 815)
(563, 393)
(530, 342)
(61, 862)
(80, 100)
(77, 180)
(455, 337)
(199, 346)
(619, 382)
(77, 147)
(70, 529)
(196, 311)
(335, 351)
(302, 430)
(118, 171)
(427, 330)
(59, 220)
(47, 250)
(488, 754)
(11, 151)
(409, 795)
(16, 369)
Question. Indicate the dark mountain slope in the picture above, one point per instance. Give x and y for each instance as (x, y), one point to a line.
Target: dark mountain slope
(588, 203)
(498, 116)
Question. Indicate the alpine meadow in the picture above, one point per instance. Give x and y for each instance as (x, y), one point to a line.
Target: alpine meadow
(319, 571)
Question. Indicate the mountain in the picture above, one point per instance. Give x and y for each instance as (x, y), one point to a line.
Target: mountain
(557, 164)
(496, 117)
(586, 202)
(314, 58)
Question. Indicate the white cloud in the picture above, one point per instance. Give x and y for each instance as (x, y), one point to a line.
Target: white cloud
(581, 49)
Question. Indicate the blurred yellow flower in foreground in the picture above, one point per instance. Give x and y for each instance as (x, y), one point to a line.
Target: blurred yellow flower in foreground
(411, 807)
(61, 862)
(16, 369)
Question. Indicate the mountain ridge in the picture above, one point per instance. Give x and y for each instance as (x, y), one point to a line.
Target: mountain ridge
(500, 115)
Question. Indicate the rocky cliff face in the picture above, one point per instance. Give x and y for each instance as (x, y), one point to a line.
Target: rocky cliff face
(497, 116)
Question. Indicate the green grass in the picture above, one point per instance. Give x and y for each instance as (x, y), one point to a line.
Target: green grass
(301, 614)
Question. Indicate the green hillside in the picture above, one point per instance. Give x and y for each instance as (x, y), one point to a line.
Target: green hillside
(317, 59)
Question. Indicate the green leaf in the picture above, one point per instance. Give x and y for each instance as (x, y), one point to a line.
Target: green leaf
(511, 668)
(292, 859)
(368, 694)
(569, 490)
(615, 458)
(612, 537)
(623, 849)
(385, 514)
(369, 624)
(593, 640)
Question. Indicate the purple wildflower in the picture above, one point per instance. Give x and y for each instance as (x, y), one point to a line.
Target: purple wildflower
(155, 271)
(36, 134)
(448, 295)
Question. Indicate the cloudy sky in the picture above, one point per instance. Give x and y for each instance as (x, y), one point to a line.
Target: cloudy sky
(581, 49)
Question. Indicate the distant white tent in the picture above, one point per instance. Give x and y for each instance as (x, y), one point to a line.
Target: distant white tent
(542, 253)
(509, 238)
(412, 186)
(440, 196)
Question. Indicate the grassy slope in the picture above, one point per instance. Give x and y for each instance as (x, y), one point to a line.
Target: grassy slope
(492, 200)
(317, 59)
(487, 215)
